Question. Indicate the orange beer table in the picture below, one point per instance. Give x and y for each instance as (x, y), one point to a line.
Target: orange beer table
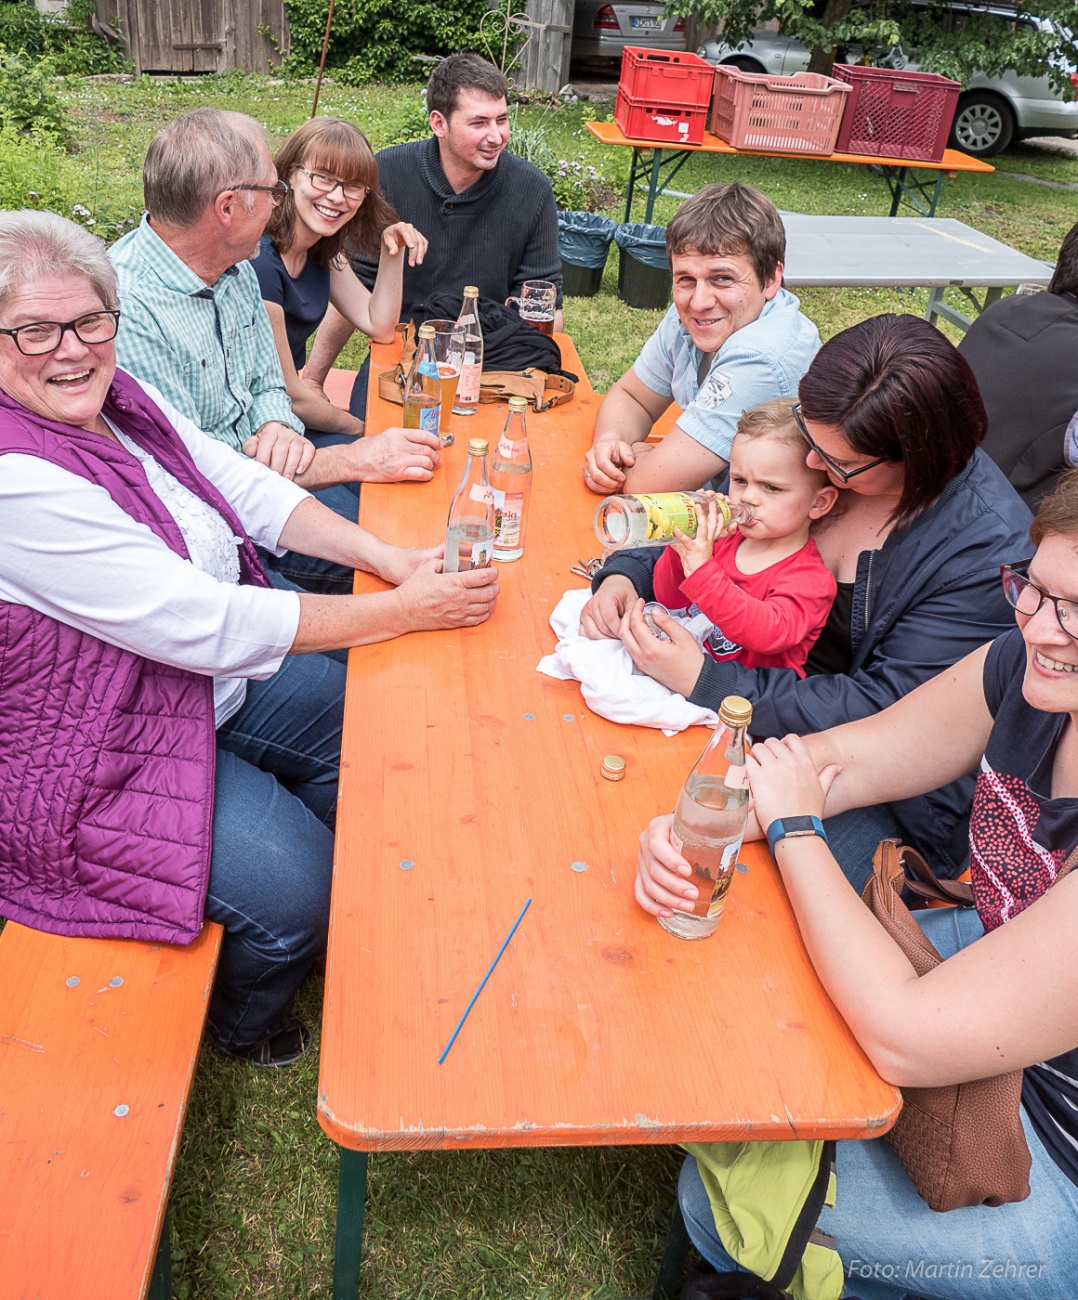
(469, 784)
(920, 193)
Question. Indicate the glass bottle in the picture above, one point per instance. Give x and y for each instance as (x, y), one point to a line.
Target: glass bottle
(709, 821)
(511, 482)
(422, 389)
(471, 372)
(469, 535)
(650, 519)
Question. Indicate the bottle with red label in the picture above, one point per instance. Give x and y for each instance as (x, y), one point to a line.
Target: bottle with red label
(511, 483)
(469, 534)
(471, 370)
(709, 821)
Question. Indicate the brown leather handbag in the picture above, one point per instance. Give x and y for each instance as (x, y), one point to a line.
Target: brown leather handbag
(962, 1144)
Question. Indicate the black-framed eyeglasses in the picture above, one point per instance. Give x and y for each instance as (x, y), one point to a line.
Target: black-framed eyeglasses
(323, 184)
(42, 336)
(844, 474)
(1026, 597)
(278, 190)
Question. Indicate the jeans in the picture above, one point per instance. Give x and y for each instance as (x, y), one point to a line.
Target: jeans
(275, 803)
(892, 1245)
(323, 577)
(357, 403)
(852, 838)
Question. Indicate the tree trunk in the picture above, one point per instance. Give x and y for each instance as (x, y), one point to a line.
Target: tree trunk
(822, 58)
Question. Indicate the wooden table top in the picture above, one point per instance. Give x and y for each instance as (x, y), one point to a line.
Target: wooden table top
(953, 160)
(470, 783)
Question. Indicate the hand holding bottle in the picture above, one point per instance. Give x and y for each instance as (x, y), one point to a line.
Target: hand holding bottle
(711, 524)
(431, 600)
(676, 663)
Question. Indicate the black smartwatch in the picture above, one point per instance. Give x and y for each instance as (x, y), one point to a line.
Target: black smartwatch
(790, 827)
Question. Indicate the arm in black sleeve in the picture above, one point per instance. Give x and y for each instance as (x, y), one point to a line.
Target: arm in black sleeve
(540, 260)
(927, 637)
(637, 566)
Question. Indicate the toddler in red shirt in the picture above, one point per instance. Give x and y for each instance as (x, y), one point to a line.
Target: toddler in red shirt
(761, 583)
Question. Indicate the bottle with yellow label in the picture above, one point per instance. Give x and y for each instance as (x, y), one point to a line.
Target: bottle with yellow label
(651, 518)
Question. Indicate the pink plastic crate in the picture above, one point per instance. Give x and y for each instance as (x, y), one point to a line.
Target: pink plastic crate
(659, 123)
(896, 114)
(798, 114)
(666, 77)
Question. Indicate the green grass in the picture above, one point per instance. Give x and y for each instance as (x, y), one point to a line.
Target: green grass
(255, 1189)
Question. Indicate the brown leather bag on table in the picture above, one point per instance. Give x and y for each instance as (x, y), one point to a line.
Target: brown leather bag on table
(962, 1144)
(542, 390)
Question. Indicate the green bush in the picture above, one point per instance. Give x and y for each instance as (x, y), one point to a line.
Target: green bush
(27, 96)
(35, 171)
(376, 39)
(68, 41)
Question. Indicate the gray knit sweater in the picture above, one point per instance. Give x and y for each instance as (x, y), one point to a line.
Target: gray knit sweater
(498, 233)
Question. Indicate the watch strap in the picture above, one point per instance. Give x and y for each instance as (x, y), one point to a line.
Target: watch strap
(783, 827)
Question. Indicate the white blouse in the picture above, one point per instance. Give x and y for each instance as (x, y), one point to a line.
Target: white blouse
(69, 551)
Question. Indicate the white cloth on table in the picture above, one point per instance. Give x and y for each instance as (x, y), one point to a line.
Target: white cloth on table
(604, 670)
(69, 551)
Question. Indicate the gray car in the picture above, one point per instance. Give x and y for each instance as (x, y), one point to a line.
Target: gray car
(991, 113)
(602, 30)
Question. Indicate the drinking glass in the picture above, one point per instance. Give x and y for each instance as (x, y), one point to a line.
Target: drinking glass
(449, 354)
(536, 304)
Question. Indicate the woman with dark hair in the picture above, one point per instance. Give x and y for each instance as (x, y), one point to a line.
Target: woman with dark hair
(892, 412)
(333, 210)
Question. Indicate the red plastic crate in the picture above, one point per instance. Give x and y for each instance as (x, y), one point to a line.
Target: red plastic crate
(798, 114)
(896, 114)
(666, 77)
(659, 123)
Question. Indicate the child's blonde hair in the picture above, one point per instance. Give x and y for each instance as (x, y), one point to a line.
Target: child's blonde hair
(775, 419)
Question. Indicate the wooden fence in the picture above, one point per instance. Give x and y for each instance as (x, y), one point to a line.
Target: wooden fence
(178, 36)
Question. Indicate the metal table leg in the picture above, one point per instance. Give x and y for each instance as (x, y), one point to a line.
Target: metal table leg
(653, 184)
(161, 1277)
(672, 1268)
(351, 1200)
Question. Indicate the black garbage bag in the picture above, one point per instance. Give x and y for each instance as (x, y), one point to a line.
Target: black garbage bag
(645, 244)
(584, 238)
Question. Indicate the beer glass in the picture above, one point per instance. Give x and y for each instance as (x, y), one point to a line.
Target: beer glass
(536, 304)
(449, 354)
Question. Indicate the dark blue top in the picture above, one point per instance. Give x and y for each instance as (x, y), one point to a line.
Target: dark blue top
(1022, 837)
(930, 595)
(303, 299)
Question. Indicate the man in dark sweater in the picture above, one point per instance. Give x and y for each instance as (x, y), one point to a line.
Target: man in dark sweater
(489, 215)
(1024, 352)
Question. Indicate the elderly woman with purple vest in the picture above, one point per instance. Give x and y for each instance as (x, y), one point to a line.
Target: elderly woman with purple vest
(169, 723)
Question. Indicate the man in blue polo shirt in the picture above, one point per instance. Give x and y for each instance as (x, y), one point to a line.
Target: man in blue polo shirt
(733, 338)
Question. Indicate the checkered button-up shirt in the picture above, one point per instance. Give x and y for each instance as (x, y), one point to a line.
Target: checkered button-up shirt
(208, 348)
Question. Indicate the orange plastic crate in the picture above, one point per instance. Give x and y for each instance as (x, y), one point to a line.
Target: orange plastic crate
(666, 77)
(663, 123)
(897, 114)
(798, 114)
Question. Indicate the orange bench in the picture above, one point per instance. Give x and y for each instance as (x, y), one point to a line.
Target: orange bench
(98, 1044)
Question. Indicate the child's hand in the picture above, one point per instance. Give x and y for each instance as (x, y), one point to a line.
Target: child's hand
(695, 551)
(676, 663)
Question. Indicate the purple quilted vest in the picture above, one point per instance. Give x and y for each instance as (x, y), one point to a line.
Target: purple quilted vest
(106, 758)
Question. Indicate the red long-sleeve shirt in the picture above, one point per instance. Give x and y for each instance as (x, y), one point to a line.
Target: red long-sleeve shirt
(768, 619)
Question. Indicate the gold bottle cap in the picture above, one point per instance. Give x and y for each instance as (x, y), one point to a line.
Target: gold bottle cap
(518, 403)
(426, 331)
(735, 711)
(613, 768)
(470, 291)
(478, 446)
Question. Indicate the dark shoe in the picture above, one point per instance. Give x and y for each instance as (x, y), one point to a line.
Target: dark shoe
(281, 1046)
(703, 1283)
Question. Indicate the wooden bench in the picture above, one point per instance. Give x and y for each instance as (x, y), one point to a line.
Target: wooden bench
(98, 1044)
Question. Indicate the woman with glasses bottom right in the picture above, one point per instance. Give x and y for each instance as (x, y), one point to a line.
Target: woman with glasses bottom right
(1005, 996)
(892, 412)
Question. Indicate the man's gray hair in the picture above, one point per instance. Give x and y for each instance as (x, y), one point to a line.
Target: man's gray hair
(202, 153)
(37, 244)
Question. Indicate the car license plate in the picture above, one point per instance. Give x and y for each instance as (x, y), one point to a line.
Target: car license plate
(645, 22)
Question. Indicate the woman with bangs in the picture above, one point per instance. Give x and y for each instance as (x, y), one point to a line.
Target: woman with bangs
(332, 211)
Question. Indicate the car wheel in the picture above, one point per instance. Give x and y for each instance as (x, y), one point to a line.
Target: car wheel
(983, 125)
(744, 64)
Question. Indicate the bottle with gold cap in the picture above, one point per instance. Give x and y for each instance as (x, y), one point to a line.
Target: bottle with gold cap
(422, 390)
(471, 371)
(709, 821)
(469, 534)
(511, 481)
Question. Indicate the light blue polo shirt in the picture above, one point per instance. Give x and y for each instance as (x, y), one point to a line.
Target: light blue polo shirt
(762, 360)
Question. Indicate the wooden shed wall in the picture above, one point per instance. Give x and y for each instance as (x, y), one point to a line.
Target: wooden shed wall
(200, 35)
